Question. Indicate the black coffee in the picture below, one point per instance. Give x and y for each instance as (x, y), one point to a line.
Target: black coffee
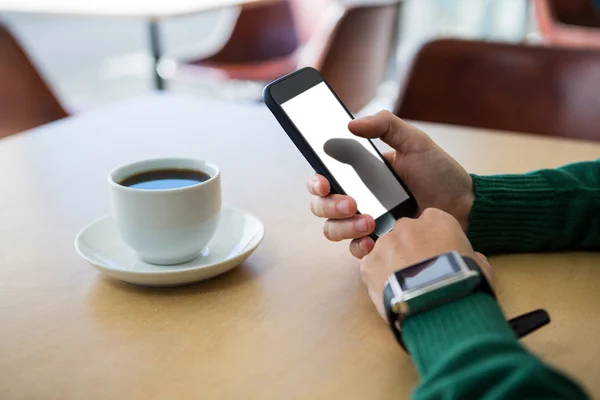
(165, 179)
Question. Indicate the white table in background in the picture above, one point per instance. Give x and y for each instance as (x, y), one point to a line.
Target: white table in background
(151, 10)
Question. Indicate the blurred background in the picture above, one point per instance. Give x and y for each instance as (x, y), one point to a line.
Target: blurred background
(95, 60)
(367, 49)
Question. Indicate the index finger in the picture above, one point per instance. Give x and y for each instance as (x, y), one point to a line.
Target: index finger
(318, 185)
(390, 129)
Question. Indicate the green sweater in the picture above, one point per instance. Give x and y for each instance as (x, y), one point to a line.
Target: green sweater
(465, 349)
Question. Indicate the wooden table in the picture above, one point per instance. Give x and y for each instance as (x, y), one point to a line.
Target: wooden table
(151, 10)
(293, 322)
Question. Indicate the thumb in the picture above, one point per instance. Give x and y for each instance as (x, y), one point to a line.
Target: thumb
(401, 136)
(486, 268)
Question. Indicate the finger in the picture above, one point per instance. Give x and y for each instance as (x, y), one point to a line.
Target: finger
(361, 247)
(389, 128)
(350, 228)
(318, 185)
(486, 267)
(334, 206)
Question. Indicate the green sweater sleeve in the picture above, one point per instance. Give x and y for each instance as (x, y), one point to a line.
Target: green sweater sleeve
(548, 209)
(466, 350)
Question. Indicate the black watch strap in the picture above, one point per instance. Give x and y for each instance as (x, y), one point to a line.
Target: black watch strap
(521, 325)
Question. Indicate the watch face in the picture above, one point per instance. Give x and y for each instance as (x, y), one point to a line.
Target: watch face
(427, 272)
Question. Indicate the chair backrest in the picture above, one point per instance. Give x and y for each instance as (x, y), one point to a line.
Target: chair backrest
(544, 90)
(271, 31)
(357, 57)
(26, 101)
(308, 15)
(260, 33)
(575, 12)
(554, 18)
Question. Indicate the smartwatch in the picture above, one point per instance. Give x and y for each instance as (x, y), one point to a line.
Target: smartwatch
(440, 280)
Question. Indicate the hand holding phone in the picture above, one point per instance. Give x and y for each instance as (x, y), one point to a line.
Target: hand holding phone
(317, 122)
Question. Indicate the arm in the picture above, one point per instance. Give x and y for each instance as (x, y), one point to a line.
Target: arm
(466, 350)
(550, 209)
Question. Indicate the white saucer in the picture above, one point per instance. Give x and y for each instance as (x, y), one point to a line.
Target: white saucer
(238, 235)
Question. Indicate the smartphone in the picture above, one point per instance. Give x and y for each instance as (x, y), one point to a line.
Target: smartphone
(317, 122)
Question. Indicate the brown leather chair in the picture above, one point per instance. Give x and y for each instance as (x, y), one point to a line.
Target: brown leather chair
(260, 45)
(545, 90)
(26, 101)
(575, 12)
(351, 46)
(358, 56)
(574, 23)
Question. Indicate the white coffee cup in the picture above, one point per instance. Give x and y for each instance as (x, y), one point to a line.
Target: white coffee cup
(166, 226)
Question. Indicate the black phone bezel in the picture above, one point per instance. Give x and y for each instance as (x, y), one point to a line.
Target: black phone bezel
(290, 86)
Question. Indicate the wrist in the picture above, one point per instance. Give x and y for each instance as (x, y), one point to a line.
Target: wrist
(444, 329)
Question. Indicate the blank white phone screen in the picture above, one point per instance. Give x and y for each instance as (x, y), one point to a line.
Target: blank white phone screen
(352, 161)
